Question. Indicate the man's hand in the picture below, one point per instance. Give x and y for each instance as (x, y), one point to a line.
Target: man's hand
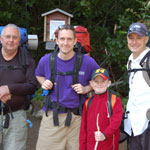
(81, 89)
(47, 85)
(4, 91)
(99, 136)
(4, 94)
(5, 98)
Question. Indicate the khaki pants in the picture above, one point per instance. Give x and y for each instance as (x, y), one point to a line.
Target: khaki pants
(59, 137)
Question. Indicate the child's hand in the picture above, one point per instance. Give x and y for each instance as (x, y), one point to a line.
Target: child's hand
(99, 136)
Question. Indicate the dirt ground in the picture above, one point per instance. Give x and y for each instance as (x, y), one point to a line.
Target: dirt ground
(33, 132)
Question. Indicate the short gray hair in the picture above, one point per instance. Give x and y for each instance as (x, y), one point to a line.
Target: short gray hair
(10, 26)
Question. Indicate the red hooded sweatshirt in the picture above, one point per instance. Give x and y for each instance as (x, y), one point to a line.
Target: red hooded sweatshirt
(108, 125)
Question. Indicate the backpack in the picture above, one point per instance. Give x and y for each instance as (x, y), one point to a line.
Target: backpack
(110, 103)
(83, 38)
(145, 64)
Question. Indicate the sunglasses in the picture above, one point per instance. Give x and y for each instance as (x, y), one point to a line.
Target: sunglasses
(61, 27)
(138, 29)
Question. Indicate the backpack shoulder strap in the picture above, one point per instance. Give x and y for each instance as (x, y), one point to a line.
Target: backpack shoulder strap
(52, 63)
(111, 101)
(77, 66)
(129, 64)
(23, 57)
(75, 75)
(129, 68)
(88, 102)
(146, 67)
(145, 57)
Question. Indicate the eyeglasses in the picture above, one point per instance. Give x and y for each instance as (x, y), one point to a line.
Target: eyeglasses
(138, 29)
(61, 27)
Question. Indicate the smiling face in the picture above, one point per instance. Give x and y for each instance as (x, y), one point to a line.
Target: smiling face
(136, 43)
(10, 39)
(66, 42)
(100, 85)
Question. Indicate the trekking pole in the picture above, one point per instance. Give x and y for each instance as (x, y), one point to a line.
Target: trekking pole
(1, 126)
(98, 129)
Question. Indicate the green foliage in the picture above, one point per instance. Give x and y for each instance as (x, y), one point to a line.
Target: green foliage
(116, 47)
(38, 96)
(124, 102)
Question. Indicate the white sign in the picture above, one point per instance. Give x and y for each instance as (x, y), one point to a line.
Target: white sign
(50, 45)
(53, 26)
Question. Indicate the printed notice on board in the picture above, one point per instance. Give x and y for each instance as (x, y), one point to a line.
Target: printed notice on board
(53, 26)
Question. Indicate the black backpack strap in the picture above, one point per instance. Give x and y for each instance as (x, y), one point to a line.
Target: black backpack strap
(55, 112)
(46, 104)
(52, 64)
(111, 101)
(129, 68)
(23, 57)
(52, 79)
(68, 118)
(77, 66)
(13, 67)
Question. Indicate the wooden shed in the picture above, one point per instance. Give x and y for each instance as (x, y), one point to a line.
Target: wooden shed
(52, 20)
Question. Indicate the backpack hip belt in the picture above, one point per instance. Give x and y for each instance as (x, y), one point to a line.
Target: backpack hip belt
(50, 105)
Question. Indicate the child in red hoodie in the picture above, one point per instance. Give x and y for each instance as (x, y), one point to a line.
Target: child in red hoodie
(100, 129)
